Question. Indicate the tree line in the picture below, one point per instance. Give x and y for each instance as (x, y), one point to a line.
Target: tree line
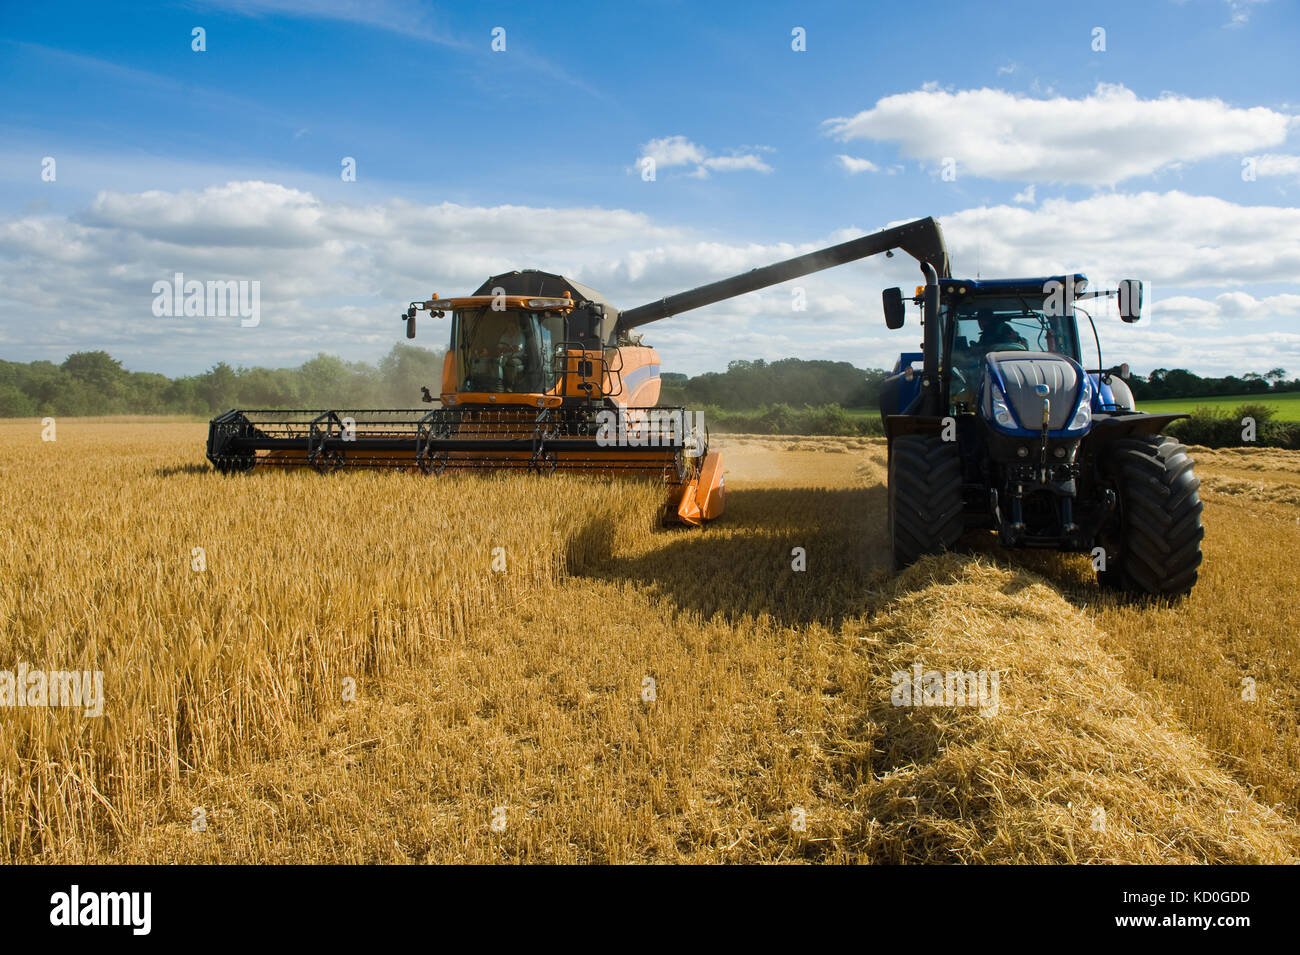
(93, 383)
(1181, 383)
(792, 381)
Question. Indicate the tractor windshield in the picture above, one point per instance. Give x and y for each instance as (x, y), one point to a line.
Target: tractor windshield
(1013, 323)
(506, 351)
(986, 324)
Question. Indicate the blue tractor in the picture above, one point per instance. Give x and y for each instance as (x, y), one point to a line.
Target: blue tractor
(998, 424)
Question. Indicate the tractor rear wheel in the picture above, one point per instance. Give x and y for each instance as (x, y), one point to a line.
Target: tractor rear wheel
(1155, 546)
(925, 496)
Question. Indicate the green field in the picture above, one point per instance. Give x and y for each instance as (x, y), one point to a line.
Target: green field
(1287, 404)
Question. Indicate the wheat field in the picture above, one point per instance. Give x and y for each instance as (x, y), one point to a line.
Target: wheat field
(393, 668)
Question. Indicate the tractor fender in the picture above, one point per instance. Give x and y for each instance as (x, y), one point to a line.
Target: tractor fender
(1107, 427)
(1121, 395)
(897, 425)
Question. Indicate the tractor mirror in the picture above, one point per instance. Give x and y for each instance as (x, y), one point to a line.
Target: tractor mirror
(410, 324)
(1130, 300)
(894, 313)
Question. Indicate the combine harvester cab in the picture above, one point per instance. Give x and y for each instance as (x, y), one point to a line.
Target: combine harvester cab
(1002, 427)
(542, 374)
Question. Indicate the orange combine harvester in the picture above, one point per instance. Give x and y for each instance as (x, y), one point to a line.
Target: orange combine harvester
(541, 374)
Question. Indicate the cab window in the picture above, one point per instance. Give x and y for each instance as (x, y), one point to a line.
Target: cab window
(506, 351)
(1001, 323)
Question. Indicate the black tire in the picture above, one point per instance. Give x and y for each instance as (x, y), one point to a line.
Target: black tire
(1155, 546)
(925, 496)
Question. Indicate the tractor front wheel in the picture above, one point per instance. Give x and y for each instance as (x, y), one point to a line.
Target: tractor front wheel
(1154, 547)
(925, 496)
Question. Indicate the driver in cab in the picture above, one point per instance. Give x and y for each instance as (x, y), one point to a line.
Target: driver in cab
(996, 334)
(510, 351)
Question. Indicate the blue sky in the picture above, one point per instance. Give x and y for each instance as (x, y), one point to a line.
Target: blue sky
(225, 164)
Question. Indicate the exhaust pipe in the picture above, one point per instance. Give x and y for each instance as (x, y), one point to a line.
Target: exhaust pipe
(930, 350)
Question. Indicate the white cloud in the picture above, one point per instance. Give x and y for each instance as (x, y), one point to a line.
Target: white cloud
(1170, 238)
(335, 274)
(331, 273)
(1221, 352)
(1186, 311)
(1273, 164)
(674, 151)
(1103, 138)
(235, 214)
(733, 163)
(1175, 243)
(1228, 307)
(1025, 195)
(1239, 11)
(853, 165)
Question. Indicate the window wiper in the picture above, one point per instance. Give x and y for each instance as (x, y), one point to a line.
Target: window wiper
(1043, 324)
(1029, 311)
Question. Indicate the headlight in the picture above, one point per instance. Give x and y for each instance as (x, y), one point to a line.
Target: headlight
(1083, 417)
(1001, 413)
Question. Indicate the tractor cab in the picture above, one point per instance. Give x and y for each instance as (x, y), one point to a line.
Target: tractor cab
(980, 318)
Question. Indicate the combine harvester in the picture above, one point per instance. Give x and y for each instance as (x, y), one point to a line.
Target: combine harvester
(542, 374)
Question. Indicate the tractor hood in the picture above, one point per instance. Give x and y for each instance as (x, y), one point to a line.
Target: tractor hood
(1021, 380)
